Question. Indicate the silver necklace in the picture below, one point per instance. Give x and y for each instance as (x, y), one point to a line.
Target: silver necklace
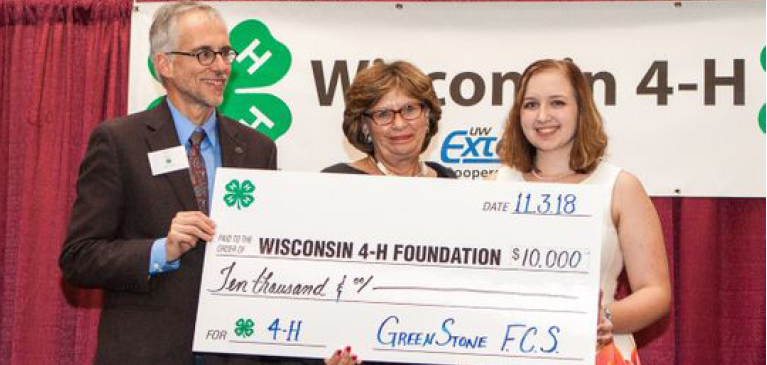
(421, 169)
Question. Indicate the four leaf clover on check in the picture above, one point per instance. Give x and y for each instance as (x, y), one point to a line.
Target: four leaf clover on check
(244, 327)
(239, 194)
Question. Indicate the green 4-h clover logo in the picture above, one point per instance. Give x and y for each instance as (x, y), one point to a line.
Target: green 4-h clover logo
(763, 111)
(239, 194)
(262, 61)
(244, 327)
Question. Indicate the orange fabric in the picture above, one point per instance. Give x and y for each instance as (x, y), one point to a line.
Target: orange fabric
(609, 355)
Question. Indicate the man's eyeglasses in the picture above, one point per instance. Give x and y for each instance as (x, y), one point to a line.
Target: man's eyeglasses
(409, 112)
(206, 57)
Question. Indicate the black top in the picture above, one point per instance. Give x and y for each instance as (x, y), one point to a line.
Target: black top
(345, 168)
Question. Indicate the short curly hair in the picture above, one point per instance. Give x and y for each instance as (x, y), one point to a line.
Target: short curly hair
(370, 86)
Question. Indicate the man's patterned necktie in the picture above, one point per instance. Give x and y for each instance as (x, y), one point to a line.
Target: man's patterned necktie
(197, 170)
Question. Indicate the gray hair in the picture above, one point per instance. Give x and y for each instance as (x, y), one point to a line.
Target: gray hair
(162, 34)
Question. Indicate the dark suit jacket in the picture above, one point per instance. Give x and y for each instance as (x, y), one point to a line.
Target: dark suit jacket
(120, 210)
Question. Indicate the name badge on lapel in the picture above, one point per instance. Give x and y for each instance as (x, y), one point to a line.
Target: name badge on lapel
(168, 160)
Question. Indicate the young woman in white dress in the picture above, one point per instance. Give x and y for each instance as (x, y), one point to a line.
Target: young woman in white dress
(554, 134)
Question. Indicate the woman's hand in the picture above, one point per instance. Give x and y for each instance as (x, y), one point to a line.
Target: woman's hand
(604, 333)
(345, 357)
(604, 325)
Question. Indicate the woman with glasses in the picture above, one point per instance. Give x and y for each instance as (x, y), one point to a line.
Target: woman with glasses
(391, 114)
(554, 134)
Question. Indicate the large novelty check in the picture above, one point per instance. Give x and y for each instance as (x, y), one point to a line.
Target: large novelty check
(401, 269)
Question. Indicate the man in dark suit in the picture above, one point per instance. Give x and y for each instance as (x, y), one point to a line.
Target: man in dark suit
(139, 223)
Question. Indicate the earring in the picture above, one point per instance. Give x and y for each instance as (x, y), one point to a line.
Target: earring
(366, 133)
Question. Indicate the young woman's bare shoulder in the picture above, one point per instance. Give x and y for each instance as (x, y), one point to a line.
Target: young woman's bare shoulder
(491, 177)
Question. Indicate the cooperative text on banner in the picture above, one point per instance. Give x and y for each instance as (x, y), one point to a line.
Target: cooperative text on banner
(696, 103)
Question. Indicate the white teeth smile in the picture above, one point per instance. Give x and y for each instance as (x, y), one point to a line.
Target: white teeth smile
(547, 130)
(214, 82)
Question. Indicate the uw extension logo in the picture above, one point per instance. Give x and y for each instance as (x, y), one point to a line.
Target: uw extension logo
(262, 61)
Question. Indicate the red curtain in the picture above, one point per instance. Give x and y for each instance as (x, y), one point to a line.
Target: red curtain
(65, 68)
(716, 252)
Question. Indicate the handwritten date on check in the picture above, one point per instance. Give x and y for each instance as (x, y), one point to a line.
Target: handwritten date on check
(401, 269)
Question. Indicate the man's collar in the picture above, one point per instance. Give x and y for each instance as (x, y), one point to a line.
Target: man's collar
(185, 127)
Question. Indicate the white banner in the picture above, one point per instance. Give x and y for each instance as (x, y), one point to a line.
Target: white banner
(402, 269)
(680, 85)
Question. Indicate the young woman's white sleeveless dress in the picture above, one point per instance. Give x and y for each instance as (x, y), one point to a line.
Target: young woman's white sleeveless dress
(612, 256)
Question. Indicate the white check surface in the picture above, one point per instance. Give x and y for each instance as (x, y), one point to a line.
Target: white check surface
(401, 269)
